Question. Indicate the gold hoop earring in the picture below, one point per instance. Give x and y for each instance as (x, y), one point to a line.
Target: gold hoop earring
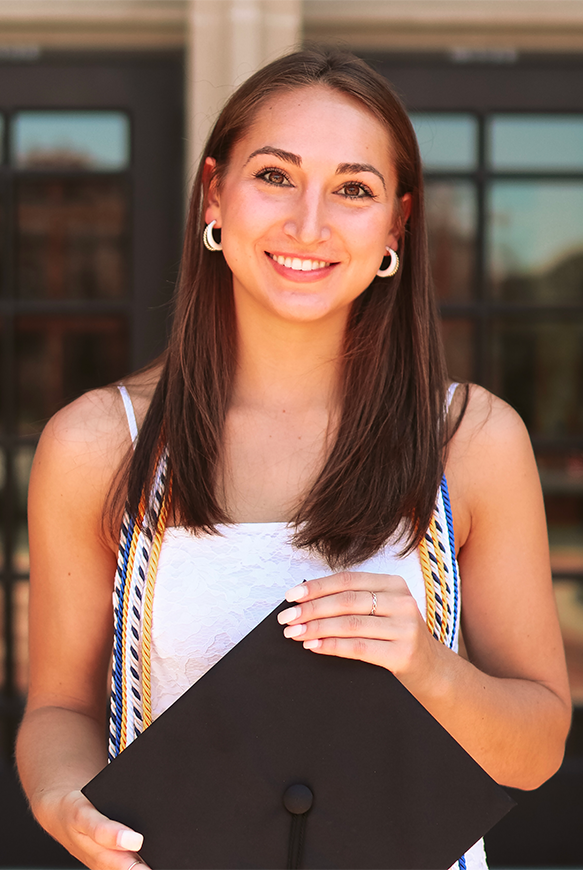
(393, 266)
(208, 239)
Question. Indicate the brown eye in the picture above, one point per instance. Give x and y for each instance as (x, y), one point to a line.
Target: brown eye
(353, 190)
(274, 176)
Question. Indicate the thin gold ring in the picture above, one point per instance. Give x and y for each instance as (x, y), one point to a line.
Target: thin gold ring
(135, 864)
(373, 611)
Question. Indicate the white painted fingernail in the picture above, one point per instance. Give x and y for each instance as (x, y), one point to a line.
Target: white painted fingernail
(294, 630)
(297, 593)
(288, 615)
(130, 840)
(312, 644)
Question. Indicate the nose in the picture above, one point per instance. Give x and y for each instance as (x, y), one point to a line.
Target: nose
(308, 222)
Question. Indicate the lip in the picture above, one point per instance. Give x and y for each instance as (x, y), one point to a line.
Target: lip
(298, 275)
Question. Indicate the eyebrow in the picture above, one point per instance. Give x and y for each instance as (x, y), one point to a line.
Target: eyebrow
(296, 160)
(286, 156)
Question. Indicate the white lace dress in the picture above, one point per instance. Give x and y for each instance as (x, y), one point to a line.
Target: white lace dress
(212, 590)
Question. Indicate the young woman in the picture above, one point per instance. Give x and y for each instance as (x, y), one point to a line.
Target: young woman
(298, 427)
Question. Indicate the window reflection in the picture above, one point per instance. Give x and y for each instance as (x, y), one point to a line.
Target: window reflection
(459, 338)
(538, 368)
(561, 474)
(2, 502)
(22, 466)
(48, 140)
(569, 596)
(3, 243)
(446, 141)
(526, 143)
(58, 358)
(536, 241)
(18, 605)
(451, 224)
(20, 590)
(73, 238)
(2, 638)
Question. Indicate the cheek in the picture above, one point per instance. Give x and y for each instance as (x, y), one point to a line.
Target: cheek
(249, 213)
(366, 236)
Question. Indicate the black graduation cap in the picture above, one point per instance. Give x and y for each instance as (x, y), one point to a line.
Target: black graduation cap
(279, 757)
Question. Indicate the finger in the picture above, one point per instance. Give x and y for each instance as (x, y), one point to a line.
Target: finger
(106, 858)
(349, 601)
(375, 652)
(105, 832)
(350, 626)
(344, 580)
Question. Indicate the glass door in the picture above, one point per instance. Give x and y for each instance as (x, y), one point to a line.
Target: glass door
(502, 145)
(90, 233)
(505, 212)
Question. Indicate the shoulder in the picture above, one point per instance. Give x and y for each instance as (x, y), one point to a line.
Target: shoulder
(83, 449)
(490, 459)
(77, 460)
(489, 428)
(93, 430)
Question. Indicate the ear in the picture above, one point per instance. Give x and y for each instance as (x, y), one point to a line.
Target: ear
(211, 192)
(403, 215)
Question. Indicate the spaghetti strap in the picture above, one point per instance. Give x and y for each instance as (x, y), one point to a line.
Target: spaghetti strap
(449, 395)
(130, 413)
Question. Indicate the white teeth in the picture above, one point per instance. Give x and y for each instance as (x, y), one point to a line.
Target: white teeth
(299, 265)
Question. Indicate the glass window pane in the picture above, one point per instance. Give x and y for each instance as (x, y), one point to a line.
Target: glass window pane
(2, 637)
(72, 238)
(446, 141)
(538, 369)
(19, 614)
(3, 241)
(561, 476)
(22, 466)
(3, 496)
(535, 245)
(58, 358)
(536, 142)
(14, 598)
(569, 595)
(451, 224)
(458, 338)
(98, 141)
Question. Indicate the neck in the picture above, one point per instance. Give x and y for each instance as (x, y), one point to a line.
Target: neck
(287, 365)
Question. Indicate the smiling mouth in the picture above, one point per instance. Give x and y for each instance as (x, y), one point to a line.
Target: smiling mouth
(297, 264)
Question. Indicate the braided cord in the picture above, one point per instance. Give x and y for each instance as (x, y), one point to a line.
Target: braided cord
(442, 581)
(137, 561)
(451, 537)
(429, 586)
(123, 738)
(148, 607)
(440, 573)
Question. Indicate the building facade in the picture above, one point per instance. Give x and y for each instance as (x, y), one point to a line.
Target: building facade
(104, 108)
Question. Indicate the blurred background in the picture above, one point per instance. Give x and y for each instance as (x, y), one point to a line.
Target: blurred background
(104, 106)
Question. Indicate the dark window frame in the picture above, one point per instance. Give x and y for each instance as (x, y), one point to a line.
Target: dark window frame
(149, 88)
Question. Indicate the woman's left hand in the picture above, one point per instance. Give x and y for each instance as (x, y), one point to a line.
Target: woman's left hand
(370, 617)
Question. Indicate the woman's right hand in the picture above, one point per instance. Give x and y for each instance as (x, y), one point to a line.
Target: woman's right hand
(98, 842)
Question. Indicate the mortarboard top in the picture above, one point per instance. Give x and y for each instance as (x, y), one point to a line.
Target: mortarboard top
(278, 757)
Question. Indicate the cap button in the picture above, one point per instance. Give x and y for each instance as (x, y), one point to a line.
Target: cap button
(298, 799)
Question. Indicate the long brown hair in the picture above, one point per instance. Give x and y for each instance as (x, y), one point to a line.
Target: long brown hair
(384, 467)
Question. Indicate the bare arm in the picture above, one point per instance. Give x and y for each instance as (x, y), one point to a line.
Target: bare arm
(62, 740)
(509, 705)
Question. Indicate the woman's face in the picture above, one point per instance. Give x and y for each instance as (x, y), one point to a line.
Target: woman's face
(307, 205)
